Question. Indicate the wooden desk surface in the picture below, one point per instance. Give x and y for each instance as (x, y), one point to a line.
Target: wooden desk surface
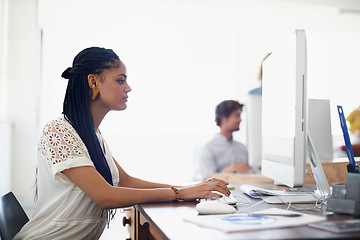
(335, 173)
(166, 221)
(241, 177)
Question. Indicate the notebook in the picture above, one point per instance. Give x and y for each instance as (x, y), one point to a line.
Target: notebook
(340, 226)
(243, 222)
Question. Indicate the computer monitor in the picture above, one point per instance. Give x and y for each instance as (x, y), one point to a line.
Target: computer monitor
(291, 130)
(284, 109)
(319, 127)
(319, 144)
(253, 127)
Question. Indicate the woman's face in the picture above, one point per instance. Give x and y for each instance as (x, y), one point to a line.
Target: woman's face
(113, 88)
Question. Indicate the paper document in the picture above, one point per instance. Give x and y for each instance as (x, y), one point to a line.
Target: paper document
(279, 196)
(256, 192)
(244, 222)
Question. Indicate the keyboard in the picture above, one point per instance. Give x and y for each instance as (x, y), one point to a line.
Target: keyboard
(225, 199)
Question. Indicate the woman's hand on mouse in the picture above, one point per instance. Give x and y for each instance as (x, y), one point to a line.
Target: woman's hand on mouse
(204, 189)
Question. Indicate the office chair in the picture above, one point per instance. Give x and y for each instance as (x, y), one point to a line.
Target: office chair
(12, 216)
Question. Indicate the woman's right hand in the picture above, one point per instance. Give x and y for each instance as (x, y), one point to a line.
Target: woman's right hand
(204, 189)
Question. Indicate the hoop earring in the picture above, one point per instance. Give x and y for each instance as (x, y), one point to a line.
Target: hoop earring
(94, 93)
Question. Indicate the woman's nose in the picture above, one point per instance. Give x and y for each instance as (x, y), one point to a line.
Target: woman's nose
(128, 89)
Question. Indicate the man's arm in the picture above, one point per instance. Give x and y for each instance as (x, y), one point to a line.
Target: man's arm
(356, 149)
(239, 167)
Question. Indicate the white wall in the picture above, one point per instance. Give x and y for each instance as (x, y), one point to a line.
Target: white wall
(183, 57)
(21, 87)
(3, 55)
(5, 157)
(5, 127)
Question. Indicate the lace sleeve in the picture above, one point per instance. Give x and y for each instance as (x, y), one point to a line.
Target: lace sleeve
(62, 148)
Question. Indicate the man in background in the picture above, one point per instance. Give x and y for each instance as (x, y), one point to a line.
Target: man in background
(223, 153)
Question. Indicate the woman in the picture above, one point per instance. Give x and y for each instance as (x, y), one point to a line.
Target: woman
(78, 180)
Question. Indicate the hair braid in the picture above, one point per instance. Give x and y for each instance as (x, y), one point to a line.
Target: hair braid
(76, 107)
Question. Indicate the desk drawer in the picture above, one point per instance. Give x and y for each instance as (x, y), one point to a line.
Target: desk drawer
(146, 230)
(129, 221)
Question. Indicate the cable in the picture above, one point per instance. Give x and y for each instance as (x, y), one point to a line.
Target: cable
(243, 203)
(244, 210)
(321, 190)
(319, 202)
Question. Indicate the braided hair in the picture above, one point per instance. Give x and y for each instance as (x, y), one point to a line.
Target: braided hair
(76, 106)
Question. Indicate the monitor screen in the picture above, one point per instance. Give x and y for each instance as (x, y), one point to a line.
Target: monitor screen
(284, 109)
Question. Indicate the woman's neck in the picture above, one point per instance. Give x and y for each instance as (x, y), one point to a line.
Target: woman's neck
(98, 114)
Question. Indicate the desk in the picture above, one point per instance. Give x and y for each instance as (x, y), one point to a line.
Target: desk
(335, 172)
(241, 177)
(165, 221)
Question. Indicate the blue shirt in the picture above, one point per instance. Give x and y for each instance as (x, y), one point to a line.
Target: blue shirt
(218, 154)
(256, 91)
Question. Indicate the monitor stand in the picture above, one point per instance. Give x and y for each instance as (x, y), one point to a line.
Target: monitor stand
(317, 170)
(322, 191)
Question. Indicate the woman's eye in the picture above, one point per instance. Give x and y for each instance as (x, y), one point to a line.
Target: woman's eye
(121, 81)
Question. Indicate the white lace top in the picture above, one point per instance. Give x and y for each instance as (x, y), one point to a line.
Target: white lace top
(64, 211)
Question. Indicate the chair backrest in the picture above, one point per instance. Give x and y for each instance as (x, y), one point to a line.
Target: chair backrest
(12, 216)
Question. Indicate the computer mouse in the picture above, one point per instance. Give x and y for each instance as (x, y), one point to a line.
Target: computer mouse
(214, 207)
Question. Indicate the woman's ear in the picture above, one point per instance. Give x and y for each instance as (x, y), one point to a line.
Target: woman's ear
(92, 80)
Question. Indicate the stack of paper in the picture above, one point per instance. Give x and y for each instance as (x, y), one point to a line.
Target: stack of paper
(279, 196)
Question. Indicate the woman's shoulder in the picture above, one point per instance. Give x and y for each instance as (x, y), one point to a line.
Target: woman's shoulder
(59, 125)
(59, 141)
